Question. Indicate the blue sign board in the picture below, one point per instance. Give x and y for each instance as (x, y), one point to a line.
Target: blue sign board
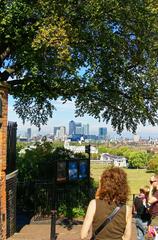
(73, 170)
(83, 169)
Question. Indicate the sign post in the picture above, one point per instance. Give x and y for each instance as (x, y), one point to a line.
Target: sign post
(54, 196)
(88, 150)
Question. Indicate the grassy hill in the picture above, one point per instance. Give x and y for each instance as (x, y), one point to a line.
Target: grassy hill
(136, 177)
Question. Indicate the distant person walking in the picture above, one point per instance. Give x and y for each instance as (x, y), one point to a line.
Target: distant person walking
(112, 195)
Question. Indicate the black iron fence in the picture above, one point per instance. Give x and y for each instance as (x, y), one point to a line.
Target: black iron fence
(37, 197)
(11, 147)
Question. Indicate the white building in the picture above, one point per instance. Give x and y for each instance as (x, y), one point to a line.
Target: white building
(61, 133)
(78, 149)
(136, 138)
(117, 161)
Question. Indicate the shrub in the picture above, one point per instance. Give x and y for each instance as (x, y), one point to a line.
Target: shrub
(153, 164)
(36, 168)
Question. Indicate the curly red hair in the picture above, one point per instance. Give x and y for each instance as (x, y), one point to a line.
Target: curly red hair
(113, 186)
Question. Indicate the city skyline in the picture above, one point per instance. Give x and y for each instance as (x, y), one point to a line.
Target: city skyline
(65, 113)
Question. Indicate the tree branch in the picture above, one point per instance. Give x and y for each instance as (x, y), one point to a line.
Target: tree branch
(4, 55)
(5, 75)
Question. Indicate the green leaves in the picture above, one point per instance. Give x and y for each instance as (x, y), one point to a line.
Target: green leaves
(115, 42)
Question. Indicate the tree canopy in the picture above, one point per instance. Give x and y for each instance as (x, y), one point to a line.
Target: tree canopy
(101, 54)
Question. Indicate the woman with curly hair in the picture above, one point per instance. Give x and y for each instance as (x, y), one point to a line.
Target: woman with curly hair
(113, 191)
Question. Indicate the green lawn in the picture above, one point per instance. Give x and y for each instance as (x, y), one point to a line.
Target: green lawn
(136, 177)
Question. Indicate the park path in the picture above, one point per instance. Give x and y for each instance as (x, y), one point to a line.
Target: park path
(42, 232)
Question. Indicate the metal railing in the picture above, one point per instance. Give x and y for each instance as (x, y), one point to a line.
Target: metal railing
(37, 197)
(11, 147)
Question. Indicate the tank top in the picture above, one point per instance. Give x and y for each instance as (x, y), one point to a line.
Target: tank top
(113, 230)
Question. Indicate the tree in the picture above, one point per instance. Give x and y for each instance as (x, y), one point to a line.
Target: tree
(102, 54)
(138, 159)
(153, 164)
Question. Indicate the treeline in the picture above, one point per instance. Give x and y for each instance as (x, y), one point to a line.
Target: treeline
(136, 158)
(29, 163)
(37, 161)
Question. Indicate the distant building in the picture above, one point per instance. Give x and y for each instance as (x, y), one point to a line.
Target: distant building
(75, 137)
(86, 129)
(72, 127)
(56, 129)
(75, 128)
(29, 133)
(117, 161)
(78, 128)
(136, 138)
(78, 149)
(23, 139)
(60, 133)
(92, 137)
(102, 133)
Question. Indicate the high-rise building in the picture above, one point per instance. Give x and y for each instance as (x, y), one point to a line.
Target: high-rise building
(72, 127)
(78, 128)
(56, 129)
(102, 133)
(29, 133)
(60, 133)
(86, 129)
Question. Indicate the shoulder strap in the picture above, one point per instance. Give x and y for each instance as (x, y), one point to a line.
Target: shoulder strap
(107, 220)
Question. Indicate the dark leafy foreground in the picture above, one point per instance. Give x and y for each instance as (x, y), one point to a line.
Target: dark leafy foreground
(102, 54)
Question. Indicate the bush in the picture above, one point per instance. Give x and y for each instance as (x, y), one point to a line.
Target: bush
(153, 164)
(36, 168)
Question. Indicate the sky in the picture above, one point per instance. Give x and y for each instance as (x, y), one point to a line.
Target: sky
(65, 113)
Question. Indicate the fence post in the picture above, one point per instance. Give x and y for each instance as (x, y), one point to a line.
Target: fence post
(54, 199)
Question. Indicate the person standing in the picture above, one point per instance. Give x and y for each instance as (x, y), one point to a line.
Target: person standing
(141, 212)
(153, 200)
(112, 192)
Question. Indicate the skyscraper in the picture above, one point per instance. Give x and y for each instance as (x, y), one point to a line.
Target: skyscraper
(72, 127)
(60, 133)
(29, 133)
(56, 129)
(78, 128)
(102, 133)
(86, 129)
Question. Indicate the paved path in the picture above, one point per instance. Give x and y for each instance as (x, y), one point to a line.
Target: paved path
(42, 232)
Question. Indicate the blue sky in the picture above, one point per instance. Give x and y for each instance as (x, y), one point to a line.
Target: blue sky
(65, 113)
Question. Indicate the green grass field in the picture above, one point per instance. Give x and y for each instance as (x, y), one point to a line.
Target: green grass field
(136, 177)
